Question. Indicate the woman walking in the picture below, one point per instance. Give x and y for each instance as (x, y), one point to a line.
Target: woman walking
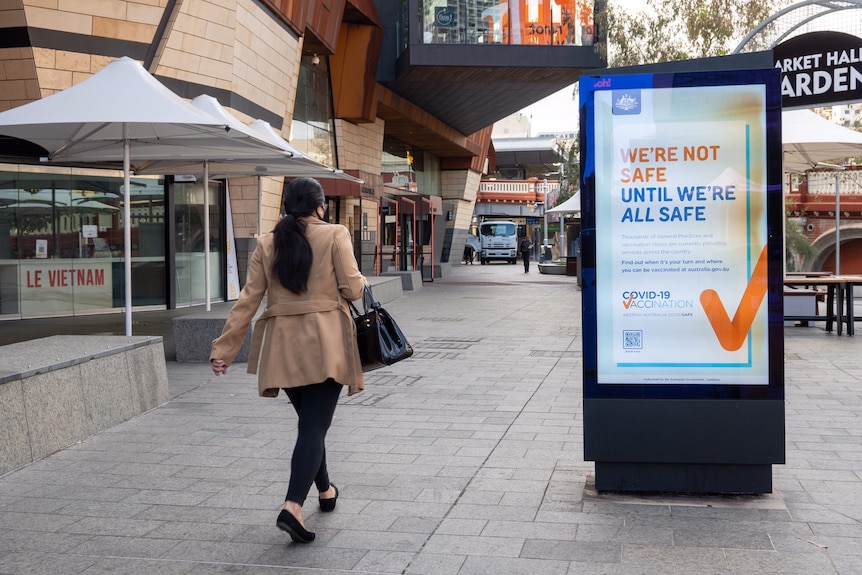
(304, 342)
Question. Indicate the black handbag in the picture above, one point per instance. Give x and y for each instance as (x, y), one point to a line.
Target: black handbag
(381, 342)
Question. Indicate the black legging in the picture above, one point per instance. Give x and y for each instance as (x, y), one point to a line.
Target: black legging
(315, 406)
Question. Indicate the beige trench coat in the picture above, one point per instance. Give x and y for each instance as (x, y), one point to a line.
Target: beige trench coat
(299, 339)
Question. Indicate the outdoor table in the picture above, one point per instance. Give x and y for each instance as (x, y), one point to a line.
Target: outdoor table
(808, 274)
(835, 289)
(850, 282)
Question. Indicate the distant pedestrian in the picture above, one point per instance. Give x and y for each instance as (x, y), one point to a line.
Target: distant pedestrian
(304, 342)
(524, 248)
(469, 254)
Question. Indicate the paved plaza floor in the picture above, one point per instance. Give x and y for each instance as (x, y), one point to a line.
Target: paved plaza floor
(465, 460)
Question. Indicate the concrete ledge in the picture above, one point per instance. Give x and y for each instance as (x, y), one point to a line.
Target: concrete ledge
(194, 333)
(410, 280)
(56, 391)
(385, 288)
(440, 271)
(553, 268)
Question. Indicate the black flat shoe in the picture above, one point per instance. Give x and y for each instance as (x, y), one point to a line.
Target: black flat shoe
(328, 504)
(287, 522)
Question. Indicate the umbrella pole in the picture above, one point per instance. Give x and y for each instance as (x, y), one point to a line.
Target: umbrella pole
(837, 225)
(207, 234)
(259, 205)
(545, 214)
(127, 228)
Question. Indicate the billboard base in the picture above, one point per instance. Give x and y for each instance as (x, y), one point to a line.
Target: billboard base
(683, 477)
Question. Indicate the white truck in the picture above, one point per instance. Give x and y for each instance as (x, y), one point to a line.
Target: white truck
(499, 241)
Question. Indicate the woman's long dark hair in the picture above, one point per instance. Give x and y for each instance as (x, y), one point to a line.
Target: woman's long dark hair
(292, 262)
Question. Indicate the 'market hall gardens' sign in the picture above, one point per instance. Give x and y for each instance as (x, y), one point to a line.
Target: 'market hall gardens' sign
(819, 69)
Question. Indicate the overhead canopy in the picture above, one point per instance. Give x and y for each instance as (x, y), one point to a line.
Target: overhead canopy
(570, 206)
(808, 138)
(526, 151)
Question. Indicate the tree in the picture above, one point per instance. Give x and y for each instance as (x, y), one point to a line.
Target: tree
(570, 169)
(667, 30)
(797, 248)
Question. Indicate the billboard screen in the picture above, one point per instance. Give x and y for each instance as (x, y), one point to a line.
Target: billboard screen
(682, 233)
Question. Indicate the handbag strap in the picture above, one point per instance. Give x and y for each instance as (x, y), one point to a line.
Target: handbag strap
(368, 303)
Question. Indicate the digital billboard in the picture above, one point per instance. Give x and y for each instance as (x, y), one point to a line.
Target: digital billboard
(681, 180)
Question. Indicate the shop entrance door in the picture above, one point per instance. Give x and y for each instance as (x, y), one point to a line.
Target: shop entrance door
(189, 249)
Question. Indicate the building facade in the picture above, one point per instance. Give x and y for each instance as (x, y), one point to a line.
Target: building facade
(399, 93)
(811, 207)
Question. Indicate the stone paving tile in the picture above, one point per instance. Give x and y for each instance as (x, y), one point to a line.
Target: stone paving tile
(467, 459)
(384, 562)
(625, 534)
(489, 512)
(754, 561)
(681, 558)
(405, 509)
(40, 562)
(182, 513)
(40, 541)
(117, 546)
(474, 545)
(113, 526)
(734, 537)
(37, 522)
(595, 568)
(304, 557)
(847, 564)
(104, 509)
(369, 539)
(188, 530)
(235, 552)
(577, 551)
(133, 566)
(530, 530)
(40, 505)
(423, 525)
(513, 566)
(452, 526)
(435, 564)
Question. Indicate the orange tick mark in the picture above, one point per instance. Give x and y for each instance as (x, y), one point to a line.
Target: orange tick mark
(731, 334)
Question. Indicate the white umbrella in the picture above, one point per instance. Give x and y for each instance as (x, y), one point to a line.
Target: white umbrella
(96, 121)
(283, 156)
(286, 162)
(570, 206)
(808, 138)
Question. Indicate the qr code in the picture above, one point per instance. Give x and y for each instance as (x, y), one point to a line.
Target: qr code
(633, 339)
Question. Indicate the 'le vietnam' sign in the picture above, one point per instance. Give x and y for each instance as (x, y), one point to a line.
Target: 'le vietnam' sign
(820, 68)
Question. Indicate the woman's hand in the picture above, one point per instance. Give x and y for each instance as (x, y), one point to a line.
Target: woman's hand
(219, 366)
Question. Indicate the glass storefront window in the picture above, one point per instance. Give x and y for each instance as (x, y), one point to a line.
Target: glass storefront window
(311, 131)
(61, 242)
(402, 29)
(189, 243)
(539, 22)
